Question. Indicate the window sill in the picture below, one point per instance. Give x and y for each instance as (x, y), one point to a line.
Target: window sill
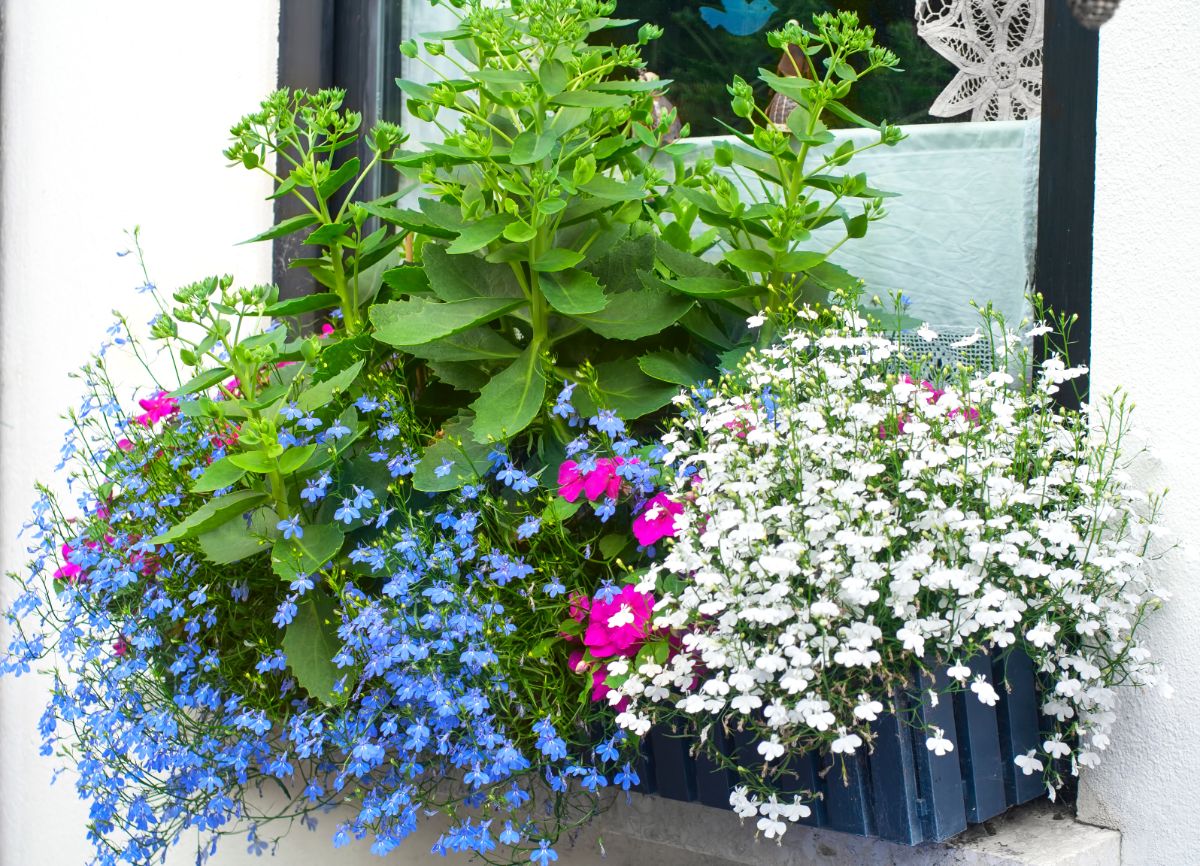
(1039, 834)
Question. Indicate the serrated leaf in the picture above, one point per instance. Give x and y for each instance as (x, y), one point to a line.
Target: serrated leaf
(574, 292)
(477, 235)
(591, 99)
(687, 265)
(308, 554)
(633, 315)
(219, 474)
(236, 540)
(211, 514)
(310, 642)
(467, 458)
(624, 388)
(674, 367)
(407, 279)
(460, 278)
(416, 321)
(711, 287)
(553, 77)
(477, 344)
(511, 400)
(530, 147)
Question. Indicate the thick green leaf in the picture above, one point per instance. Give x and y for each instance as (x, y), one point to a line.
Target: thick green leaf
(531, 146)
(752, 261)
(284, 228)
(591, 99)
(612, 190)
(322, 393)
(459, 278)
(711, 287)
(477, 344)
(220, 473)
(303, 304)
(453, 459)
(557, 260)
(477, 235)
(800, 260)
(294, 458)
(674, 367)
(202, 381)
(212, 514)
(236, 540)
(511, 400)
(341, 175)
(633, 315)
(793, 87)
(553, 76)
(411, 220)
(686, 264)
(574, 291)
(417, 321)
(252, 461)
(326, 234)
(310, 643)
(628, 391)
(407, 279)
(612, 544)
(460, 375)
(308, 554)
(617, 269)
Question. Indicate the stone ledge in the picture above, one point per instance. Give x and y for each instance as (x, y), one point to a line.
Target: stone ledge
(664, 832)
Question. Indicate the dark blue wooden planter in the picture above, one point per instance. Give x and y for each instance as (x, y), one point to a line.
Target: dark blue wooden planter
(901, 791)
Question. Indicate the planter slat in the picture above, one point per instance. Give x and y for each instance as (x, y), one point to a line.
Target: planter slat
(1019, 724)
(713, 783)
(979, 752)
(894, 791)
(847, 798)
(645, 769)
(944, 813)
(900, 791)
(674, 766)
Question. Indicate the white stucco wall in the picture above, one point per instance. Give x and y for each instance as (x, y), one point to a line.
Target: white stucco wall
(115, 115)
(1147, 322)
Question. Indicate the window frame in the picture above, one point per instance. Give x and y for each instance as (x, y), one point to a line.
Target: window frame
(346, 43)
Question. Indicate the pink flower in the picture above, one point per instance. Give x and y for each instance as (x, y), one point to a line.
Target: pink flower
(158, 406)
(618, 626)
(124, 444)
(657, 520)
(70, 572)
(326, 330)
(579, 606)
(603, 481)
(120, 647)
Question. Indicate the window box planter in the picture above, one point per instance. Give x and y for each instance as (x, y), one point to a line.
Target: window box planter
(901, 791)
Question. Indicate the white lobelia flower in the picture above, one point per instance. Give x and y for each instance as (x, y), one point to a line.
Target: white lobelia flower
(772, 828)
(1056, 748)
(960, 672)
(984, 691)
(845, 744)
(926, 333)
(771, 749)
(1028, 763)
(624, 616)
(868, 710)
(938, 743)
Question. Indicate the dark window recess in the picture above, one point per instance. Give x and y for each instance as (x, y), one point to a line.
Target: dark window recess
(706, 42)
(352, 44)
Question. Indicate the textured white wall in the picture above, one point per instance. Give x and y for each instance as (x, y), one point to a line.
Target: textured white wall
(1145, 337)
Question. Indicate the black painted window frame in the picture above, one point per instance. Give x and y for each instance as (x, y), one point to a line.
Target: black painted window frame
(343, 43)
